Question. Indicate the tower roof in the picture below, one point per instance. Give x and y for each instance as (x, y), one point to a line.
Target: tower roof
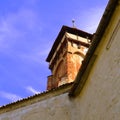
(64, 29)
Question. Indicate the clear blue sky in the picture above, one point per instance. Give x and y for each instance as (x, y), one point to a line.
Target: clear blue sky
(28, 29)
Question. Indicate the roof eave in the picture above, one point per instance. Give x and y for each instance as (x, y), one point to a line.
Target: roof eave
(61, 34)
(79, 81)
(36, 98)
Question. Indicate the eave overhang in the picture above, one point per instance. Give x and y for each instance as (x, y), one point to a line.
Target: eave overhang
(62, 32)
(90, 57)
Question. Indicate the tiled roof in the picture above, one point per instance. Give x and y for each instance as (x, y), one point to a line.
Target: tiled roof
(66, 87)
(36, 98)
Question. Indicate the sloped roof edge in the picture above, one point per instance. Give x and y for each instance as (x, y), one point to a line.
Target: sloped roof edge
(36, 98)
(61, 34)
(79, 81)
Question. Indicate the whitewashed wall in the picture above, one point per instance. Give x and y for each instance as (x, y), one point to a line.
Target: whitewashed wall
(100, 97)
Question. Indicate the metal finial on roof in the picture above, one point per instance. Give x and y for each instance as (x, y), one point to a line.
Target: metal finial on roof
(73, 21)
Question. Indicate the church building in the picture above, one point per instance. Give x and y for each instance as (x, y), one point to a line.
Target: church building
(85, 76)
(66, 56)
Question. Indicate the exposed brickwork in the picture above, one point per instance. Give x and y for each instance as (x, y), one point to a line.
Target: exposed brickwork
(73, 65)
(66, 62)
(49, 82)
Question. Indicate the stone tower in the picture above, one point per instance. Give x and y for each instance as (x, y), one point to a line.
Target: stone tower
(66, 55)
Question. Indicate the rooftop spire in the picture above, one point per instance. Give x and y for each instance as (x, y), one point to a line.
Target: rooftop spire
(73, 22)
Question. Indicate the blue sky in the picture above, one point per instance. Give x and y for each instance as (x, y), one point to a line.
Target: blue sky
(28, 29)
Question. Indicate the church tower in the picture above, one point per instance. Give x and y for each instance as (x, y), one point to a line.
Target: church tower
(66, 56)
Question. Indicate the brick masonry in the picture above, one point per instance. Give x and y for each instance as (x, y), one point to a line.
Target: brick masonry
(66, 63)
